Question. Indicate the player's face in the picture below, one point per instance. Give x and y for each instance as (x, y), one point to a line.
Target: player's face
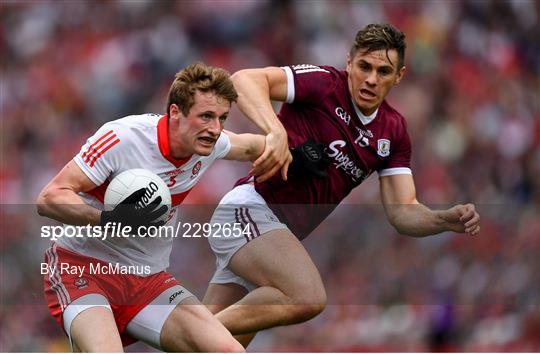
(371, 76)
(200, 129)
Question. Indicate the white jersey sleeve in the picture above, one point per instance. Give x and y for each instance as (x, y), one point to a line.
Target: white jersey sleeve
(222, 147)
(100, 156)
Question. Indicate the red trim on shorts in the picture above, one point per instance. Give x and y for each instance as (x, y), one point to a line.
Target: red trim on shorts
(127, 294)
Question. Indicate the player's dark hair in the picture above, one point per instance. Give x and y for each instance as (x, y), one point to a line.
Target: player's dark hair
(377, 36)
(202, 77)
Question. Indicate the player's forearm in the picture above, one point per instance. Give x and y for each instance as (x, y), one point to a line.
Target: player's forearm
(254, 100)
(67, 207)
(245, 147)
(416, 220)
(256, 147)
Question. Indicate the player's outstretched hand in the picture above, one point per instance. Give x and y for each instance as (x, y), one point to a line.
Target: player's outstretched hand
(463, 218)
(131, 212)
(276, 156)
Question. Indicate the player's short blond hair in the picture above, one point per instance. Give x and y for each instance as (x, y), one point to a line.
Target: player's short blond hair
(202, 77)
(377, 36)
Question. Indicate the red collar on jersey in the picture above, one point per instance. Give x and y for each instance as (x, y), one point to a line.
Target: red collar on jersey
(163, 142)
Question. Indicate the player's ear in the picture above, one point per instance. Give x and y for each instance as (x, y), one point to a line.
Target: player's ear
(349, 63)
(175, 111)
(400, 74)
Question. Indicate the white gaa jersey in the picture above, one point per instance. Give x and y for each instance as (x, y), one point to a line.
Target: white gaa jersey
(139, 141)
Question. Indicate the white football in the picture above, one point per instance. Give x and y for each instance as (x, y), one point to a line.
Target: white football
(132, 180)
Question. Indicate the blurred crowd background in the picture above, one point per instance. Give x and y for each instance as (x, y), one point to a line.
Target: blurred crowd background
(471, 96)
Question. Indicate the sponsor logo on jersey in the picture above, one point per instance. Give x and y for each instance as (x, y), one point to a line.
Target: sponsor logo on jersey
(344, 162)
(383, 147)
(344, 116)
(81, 283)
(173, 296)
(175, 172)
(196, 169)
(363, 135)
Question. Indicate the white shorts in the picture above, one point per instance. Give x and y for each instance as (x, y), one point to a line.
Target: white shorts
(244, 206)
(146, 325)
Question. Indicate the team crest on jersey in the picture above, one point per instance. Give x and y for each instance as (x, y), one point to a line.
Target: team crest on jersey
(196, 169)
(383, 147)
(81, 282)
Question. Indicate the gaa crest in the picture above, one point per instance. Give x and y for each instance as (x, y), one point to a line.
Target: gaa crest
(383, 147)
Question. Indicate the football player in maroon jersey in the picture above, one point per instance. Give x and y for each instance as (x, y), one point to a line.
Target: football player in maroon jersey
(341, 130)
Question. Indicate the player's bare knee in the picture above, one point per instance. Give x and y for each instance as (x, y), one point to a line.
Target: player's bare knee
(304, 312)
(312, 294)
(308, 303)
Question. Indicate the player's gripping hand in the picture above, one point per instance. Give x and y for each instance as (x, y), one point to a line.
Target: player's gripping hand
(130, 212)
(463, 218)
(276, 156)
(309, 159)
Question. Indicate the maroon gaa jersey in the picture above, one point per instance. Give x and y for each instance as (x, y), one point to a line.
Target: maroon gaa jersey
(319, 107)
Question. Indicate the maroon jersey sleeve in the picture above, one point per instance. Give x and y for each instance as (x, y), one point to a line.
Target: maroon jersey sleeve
(399, 159)
(309, 83)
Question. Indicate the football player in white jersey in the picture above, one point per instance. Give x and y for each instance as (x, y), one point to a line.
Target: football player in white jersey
(104, 312)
